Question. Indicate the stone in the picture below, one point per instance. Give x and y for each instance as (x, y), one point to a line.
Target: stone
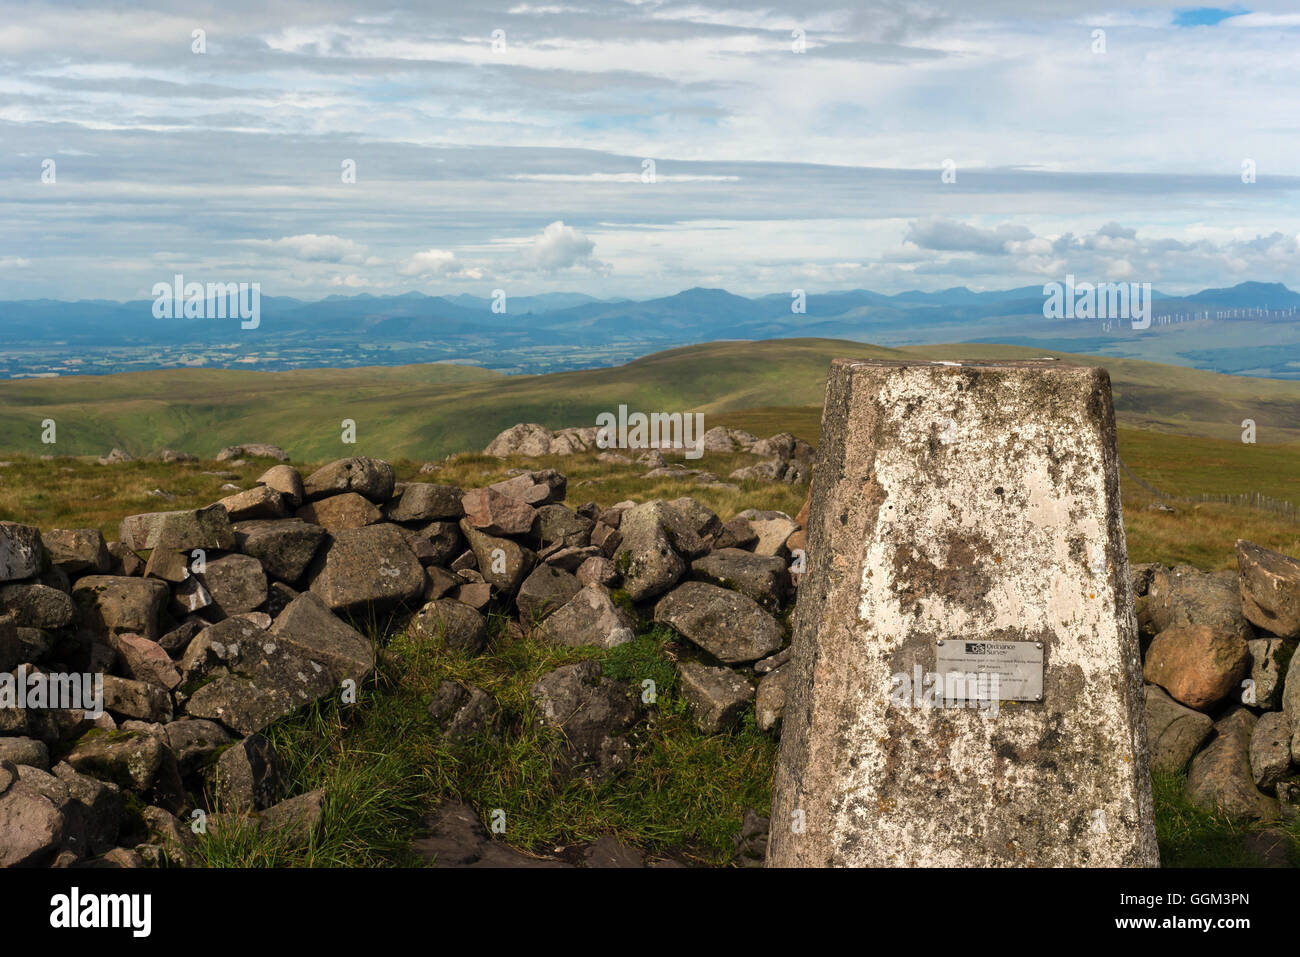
(260, 501)
(751, 840)
(1220, 778)
(285, 480)
(307, 625)
(647, 559)
(476, 595)
(296, 818)
(167, 565)
(21, 551)
(1184, 595)
(728, 625)
(127, 759)
(128, 698)
(559, 524)
(716, 696)
(36, 606)
(606, 851)
(597, 570)
(764, 578)
(176, 640)
(247, 777)
(27, 751)
(425, 502)
(78, 551)
(113, 605)
(125, 561)
(206, 528)
(769, 703)
(736, 533)
(236, 583)
(590, 617)
(1174, 733)
(102, 803)
(544, 591)
(194, 741)
(339, 512)
(504, 564)
(31, 827)
(1270, 589)
(455, 837)
(1273, 847)
(1270, 749)
(464, 712)
(772, 529)
(523, 439)
(285, 548)
(435, 543)
(145, 660)
(361, 474)
(460, 627)
(493, 513)
(252, 450)
(367, 567)
(539, 488)
(974, 501)
(592, 713)
(1197, 665)
(1269, 658)
(172, 838)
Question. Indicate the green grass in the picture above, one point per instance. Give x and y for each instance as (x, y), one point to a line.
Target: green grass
(432, 410)
(684, 793)
(1191, 836)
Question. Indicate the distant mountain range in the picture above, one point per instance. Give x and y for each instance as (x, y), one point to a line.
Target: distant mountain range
(555, 331)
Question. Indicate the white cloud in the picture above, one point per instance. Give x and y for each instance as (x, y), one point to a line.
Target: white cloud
(438, 263)
(560, 247)
(310, 247)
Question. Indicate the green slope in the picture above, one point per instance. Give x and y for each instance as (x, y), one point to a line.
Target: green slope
(428, 411)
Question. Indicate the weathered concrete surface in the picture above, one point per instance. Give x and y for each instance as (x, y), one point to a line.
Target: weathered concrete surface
(974, 501)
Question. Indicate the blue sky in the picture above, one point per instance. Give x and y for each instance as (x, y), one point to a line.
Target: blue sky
(522, 166)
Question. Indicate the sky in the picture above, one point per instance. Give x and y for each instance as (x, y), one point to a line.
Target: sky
(640, 148)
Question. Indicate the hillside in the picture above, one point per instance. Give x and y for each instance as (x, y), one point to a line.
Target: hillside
(428, 411)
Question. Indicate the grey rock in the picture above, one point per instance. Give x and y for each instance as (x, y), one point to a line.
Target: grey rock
(127, 698)
(606, 851)
(129, 760)
(236, 583)
(1269, 658)
(1174, 732)
(728, 625)
(543, 487)
(559, 524)
(504, 564)
(361, 474)
(1270, 589)
(285, 548)
(370, 566)
(285, 480)
(425, 502)
(1220, 777)
(460, 627)
(114, 604)
(647, 558)
(21, 551)
(102, 802)
(31, 827)
(764, 578)
(78, 551)
(716, 696)
(258, 502)
(494, 513)
(252, 450)
(592, 712)
(597, 570)
(27, 751)
(206, 528)
(1184, 596)
(545, 590)
(590, 617)
(463, 712)
(194, 741)
(1270, 749)
(773, 692)
(36, 606)
(248, 776)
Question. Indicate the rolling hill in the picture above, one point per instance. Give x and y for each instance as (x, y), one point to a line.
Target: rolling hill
(427, 411)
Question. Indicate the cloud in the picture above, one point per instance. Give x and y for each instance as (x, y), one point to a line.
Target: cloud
(560, 247)
(950, 236)
(441, 263)
(310, 247)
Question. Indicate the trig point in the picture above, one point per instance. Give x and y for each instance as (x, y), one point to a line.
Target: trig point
(967, 687)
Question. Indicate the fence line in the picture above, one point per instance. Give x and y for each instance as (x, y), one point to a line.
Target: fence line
(1266, 503)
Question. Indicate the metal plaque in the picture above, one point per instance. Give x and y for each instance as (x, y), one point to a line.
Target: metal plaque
(1018, 666)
